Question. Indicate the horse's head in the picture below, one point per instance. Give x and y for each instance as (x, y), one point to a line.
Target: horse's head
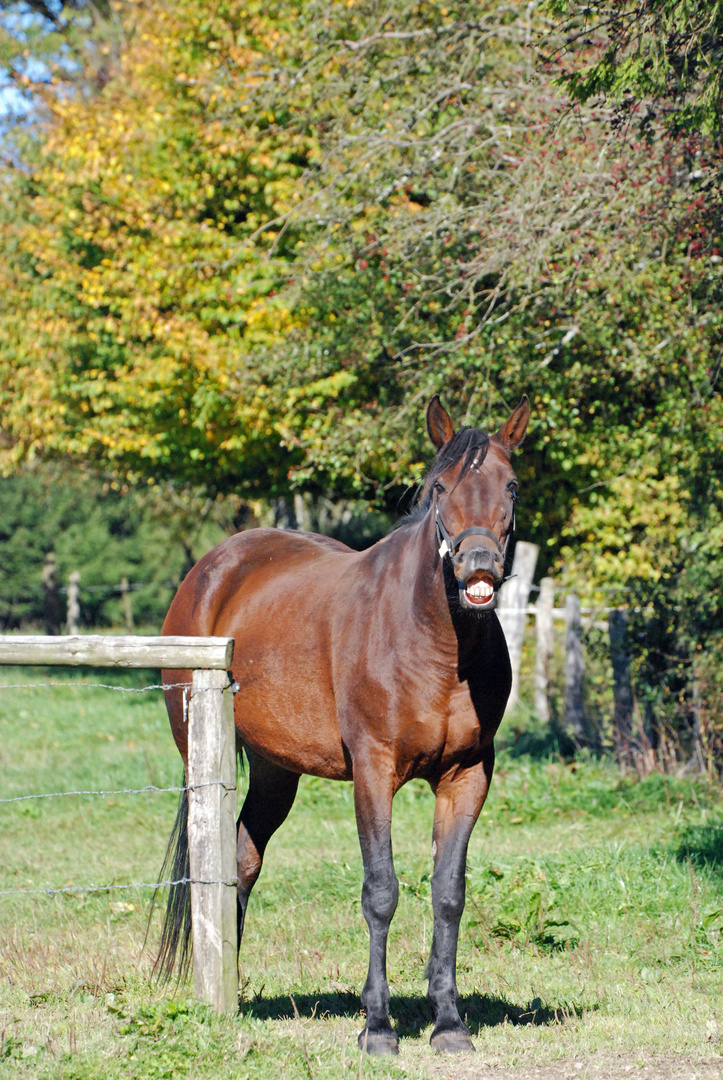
(472, 487)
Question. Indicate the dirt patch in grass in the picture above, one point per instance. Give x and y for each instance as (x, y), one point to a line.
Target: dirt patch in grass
(596, 1068)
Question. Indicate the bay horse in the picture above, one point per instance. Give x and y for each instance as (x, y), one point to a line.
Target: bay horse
(375, 666)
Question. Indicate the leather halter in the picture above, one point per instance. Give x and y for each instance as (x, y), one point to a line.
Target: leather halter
(449, 545)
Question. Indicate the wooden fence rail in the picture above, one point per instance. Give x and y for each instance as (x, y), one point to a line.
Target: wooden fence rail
(211, 779)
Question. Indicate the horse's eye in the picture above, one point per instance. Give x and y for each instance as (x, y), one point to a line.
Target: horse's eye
(440, 488)
(512, 488)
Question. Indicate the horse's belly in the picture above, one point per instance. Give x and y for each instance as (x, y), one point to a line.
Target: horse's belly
(292, 724)
(270, 592)
(285, 708)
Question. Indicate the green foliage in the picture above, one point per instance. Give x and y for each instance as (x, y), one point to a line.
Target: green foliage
(105, 533)
(666, 54)
(702, 846)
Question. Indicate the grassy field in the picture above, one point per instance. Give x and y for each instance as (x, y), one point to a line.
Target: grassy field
(592, 942)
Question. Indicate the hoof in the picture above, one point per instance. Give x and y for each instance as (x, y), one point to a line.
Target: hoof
(379, 1042)
(455, 1041)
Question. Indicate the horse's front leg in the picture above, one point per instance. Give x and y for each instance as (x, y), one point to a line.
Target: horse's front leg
(373, 793)
(460, 796)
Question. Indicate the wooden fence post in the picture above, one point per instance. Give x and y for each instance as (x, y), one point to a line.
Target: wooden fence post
(302, 512)
(51, 595)
(514, 596)
(545, 628)
(212, 839)
(127, 605)
(73, 618)
(622, 687)
(574, 669)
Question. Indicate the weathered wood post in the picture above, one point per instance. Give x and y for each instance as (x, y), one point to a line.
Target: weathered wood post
(545, 629)
(514, 596)
(302, 512)
(212, 839)
(622, 687)
(574, 669)
(51, 595)
(125, 591)
(699, 757)
(73, 617)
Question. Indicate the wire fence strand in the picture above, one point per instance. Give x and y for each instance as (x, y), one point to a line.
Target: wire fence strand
(110, 888)
(120, 791)
(149, 788)
(100, 686)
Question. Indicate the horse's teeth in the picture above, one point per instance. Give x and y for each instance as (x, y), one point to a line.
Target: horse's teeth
(481, 590)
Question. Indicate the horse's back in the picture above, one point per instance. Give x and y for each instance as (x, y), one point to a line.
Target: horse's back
(244, 562)
(271, 590)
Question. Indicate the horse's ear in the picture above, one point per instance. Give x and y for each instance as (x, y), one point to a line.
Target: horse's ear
(439, 423)
(513, 430)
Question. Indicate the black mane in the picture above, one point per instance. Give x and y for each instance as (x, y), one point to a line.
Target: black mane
(467, 443)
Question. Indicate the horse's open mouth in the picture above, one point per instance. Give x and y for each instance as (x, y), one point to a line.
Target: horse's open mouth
(479, 591)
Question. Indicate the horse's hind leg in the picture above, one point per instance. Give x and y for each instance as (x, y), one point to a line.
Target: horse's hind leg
(269, 799)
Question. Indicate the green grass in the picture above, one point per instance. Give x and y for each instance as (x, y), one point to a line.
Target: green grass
(593, 928)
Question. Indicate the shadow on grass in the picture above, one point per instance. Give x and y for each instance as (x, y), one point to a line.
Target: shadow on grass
(411, 1014)
(703, 846)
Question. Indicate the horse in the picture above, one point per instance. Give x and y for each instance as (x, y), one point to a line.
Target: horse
(376, 667)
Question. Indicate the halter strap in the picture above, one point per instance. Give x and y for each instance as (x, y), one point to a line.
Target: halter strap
(450, 546)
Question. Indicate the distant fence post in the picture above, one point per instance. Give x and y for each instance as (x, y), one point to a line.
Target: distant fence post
(73, 619)
(514, 596)
(127, 605)
(545, 628)
(212, 839)
(51, 595)
(574, 668)
(622, 687)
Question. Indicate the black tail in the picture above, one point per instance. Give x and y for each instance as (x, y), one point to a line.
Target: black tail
(174, 953)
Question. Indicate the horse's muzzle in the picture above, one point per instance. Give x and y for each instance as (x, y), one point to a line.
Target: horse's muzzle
(479, 573)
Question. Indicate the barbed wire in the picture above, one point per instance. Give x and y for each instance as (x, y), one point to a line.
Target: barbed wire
(132, 586)
(109, 888)
(104, 686)
(129, 587)
(121, 791)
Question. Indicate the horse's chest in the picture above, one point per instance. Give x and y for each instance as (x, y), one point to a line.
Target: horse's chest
(461, 734)
(445, 731)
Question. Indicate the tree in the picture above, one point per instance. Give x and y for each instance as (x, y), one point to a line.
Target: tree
(47, 43)
(665, 54)
(134, 199)
(107, 532)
